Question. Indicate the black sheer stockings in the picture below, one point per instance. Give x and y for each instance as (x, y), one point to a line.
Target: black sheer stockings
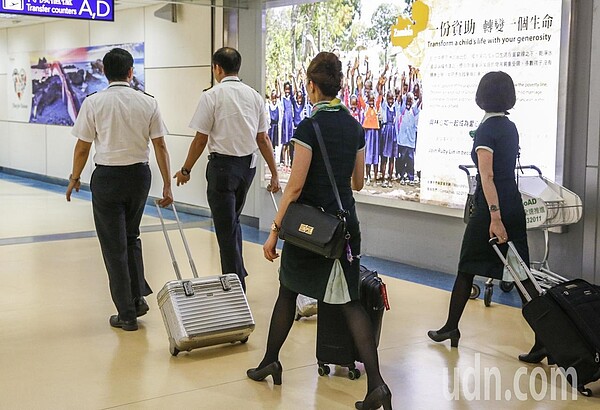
(358, 323)
(460, 296)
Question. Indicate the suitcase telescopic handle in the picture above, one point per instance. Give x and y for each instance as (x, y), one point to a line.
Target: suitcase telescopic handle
(185, 243)
(494, 242)
(273, 198)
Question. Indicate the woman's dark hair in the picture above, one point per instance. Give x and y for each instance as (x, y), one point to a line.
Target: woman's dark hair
(229, 59)
(325, 70)
(117, 63)
(496, 92)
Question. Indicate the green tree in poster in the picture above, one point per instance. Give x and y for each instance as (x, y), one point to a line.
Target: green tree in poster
(408, 7)
(278, 46)
(383, 19)
(325, 26)
(296, 34)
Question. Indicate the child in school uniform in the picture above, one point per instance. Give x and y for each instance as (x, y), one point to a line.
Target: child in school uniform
(287, 123)
(274, 109)
(371, 126)
(407, 139)
(300, 108)
(355, 109)
(389, 147)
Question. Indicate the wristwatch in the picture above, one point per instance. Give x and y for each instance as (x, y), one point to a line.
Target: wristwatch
(185, 172)
(494, 208)
(275, 228)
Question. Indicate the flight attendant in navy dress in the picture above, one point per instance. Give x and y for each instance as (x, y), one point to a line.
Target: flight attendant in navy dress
(498, 208)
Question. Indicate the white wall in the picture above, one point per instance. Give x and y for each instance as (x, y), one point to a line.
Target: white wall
(177, 69)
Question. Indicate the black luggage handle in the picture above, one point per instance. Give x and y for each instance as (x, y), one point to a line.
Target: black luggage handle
(467, 168)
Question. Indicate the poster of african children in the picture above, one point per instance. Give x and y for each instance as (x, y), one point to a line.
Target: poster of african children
(411, 71)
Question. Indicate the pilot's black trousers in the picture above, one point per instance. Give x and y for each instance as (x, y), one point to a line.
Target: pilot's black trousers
(119, 194)
(229, 179)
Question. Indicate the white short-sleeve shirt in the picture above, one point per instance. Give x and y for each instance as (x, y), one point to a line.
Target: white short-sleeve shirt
(231, 113)
(120, 121)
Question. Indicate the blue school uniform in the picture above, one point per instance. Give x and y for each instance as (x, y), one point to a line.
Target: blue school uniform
(388, 131)
(407, 141)
(274, 124)
(287, 123)
(299, 112)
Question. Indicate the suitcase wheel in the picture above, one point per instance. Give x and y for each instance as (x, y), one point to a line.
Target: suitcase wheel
(585, 391)
(353, 374)
(173, 348)
(244, 340)
(323, 370)
(487, 294)
(298, 316)
(475, 291)
(507, 286)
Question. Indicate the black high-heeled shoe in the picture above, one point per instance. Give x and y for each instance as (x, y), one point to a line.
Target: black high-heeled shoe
(381, 396)
(536, 356)
(274, 369)
(453, 335)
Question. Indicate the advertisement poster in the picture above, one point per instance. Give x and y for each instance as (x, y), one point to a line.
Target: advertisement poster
(18, 89)
(55, 83)
(417, 64)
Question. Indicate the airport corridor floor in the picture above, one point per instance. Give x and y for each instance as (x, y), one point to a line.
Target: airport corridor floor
(57, 350)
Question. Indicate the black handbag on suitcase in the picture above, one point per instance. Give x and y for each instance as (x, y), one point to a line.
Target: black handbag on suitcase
(566, 319)
(334, 340)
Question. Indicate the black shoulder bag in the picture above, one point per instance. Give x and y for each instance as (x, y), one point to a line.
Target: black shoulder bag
(312, 228)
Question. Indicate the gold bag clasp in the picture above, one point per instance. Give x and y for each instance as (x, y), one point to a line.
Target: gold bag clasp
(307, 229)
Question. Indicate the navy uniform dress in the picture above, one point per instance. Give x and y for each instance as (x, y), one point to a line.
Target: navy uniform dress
(499, 135)
(303, 271)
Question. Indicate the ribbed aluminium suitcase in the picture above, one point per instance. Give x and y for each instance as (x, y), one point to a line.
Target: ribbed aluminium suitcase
(566, 320)
(202, 311)
(334, 340)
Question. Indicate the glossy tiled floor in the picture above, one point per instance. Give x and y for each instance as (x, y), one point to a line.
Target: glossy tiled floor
(57, 350)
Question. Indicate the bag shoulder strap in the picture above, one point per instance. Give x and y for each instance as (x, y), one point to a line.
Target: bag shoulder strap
(315, 125)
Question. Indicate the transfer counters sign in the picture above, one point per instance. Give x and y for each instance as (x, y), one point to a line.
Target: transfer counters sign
(76, 9)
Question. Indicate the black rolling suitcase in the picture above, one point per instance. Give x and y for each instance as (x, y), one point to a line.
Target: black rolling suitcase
(566, 319)
(334, 341)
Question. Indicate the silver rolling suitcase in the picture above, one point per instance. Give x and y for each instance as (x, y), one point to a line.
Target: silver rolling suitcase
(205, 311)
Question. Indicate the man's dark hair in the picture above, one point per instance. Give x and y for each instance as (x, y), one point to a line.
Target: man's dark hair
(229, 59)
(496, 92)
(117, 63)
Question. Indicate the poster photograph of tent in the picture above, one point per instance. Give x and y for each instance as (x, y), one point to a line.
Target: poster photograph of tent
(411, 71)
